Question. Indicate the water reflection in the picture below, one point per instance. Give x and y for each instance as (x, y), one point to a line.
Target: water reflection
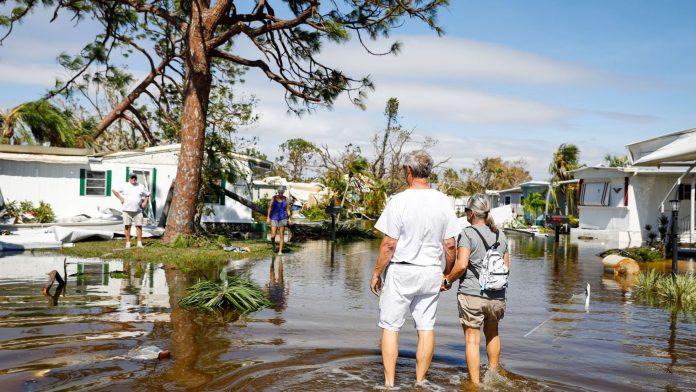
(277, 289)
(326, 338)
(184, 332)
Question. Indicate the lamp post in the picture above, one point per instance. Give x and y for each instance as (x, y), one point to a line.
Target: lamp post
(675, 237)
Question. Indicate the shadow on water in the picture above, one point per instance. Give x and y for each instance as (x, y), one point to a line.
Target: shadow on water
(321, 334)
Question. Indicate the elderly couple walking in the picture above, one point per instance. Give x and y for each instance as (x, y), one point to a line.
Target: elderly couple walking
(419, 226)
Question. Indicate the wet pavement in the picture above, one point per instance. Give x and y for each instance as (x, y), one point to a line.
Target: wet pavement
(321, 333)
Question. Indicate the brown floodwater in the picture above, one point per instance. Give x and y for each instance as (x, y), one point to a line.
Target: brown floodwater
(321, 333)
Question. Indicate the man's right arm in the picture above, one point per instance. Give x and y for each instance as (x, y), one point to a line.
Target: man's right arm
(117, 194)
(386, 252)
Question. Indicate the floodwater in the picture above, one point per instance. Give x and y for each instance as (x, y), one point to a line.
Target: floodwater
(321, 334)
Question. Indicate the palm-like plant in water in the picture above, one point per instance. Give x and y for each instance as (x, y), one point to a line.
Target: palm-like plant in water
(37, 122)
(232, 292)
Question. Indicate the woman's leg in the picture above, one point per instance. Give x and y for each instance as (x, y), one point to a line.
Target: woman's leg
(492, 344)
(472, 336)
(273, 233)
(282, 238)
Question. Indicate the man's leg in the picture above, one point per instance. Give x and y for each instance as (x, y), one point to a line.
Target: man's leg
(139, 235)
(472, 336)
(282, 238)
(424, 353)
(126, 232)
(492, 344)
(390, 351)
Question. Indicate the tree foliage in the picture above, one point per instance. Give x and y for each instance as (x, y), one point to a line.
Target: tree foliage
(616, 160)
(492, 173)
(297, 155)
(39, 122)
(284, 38)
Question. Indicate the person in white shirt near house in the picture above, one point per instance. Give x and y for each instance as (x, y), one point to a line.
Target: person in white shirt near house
(134, 197)
(419, 227)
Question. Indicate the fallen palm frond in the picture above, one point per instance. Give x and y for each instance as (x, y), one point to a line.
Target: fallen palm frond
(236, 293)
(663, 290)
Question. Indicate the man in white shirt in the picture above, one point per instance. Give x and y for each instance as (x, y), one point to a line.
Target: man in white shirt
(419, 227)
(134, 197)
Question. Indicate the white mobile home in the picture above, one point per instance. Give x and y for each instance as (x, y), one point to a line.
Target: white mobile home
(75, 181)
(616, 204)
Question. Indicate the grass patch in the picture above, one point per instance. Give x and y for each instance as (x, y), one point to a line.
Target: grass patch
(639, 253)
(187, 253)
(662, 290)
(236, 293)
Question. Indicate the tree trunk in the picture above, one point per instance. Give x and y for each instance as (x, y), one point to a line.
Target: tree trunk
(193, 121)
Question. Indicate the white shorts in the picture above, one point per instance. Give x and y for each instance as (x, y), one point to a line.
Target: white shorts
(409, 288)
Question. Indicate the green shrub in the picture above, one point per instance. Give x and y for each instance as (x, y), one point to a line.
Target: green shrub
(641, 253)
(315, 213)
(43, 213)
(263, 203)
(239, 293)
(662, 290)
(202, 241)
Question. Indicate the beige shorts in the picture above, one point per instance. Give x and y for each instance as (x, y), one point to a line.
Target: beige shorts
(132, 217)
(475, 311)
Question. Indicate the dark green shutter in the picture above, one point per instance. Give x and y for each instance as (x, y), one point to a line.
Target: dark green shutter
(222, 196)
(108, 182)
(83, 174)
(127, 173)
(153, 193)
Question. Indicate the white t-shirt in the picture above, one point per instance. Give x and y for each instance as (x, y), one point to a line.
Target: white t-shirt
(133, 196)
(419, 219)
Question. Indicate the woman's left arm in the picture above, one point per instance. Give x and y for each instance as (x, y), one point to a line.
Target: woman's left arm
(460, 265)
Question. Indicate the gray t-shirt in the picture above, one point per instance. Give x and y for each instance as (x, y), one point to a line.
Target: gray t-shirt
(468, 283)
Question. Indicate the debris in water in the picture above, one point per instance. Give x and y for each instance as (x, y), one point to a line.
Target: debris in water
(148, 352)
(236, 249)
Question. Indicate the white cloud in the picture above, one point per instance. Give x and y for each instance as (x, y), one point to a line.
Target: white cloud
(30, 74)
(430, 57)
(466, 106)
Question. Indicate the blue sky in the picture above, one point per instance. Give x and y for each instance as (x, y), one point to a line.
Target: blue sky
(510, 78)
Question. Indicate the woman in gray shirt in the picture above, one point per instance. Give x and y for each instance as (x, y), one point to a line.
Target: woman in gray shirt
(478, 307)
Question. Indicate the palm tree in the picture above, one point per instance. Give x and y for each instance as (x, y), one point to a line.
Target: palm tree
(355, 167)
(616, 160)
(533, 204)
(565, 159)
(37, 122)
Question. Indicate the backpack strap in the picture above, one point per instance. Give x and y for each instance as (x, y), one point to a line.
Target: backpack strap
(495, 245)
(485, 244)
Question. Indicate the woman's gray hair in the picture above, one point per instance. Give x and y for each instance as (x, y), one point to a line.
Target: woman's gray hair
(420, 162)
(480, 206)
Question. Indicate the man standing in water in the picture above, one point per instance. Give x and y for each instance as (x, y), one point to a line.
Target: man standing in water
(419, 225)
(134, 197)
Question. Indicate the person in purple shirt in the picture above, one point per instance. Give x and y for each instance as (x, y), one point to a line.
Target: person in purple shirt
(278, 217)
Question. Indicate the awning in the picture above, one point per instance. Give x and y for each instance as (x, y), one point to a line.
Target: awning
(678, 147)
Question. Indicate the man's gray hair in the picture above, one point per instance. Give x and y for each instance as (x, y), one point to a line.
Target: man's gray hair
(420, 162)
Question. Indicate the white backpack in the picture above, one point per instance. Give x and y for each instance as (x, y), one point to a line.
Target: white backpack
(494, 274)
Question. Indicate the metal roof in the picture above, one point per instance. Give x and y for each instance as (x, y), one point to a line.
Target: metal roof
(676, 147)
